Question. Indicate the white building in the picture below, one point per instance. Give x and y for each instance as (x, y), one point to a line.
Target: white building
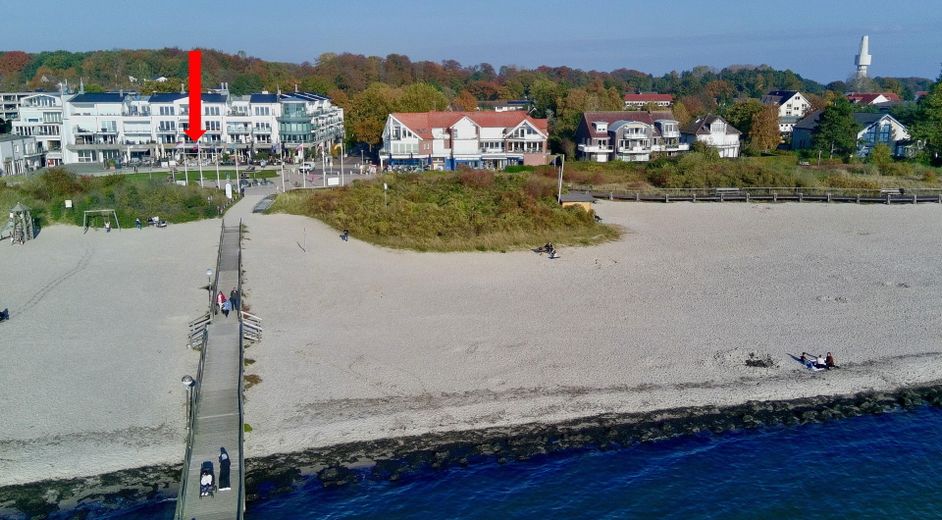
(10, 104)
(446, 140)
(875, 128)
(40, 116)
(122, 126)
(18, 154)
(792, 106)
(628, 136)
(640, 101)
(716, 133)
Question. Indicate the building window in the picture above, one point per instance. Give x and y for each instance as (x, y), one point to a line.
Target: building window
(262, 111)
(166, 111)
(86, 156)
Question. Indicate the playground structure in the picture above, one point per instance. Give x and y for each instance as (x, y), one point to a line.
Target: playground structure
(106, 214)
(19, 228)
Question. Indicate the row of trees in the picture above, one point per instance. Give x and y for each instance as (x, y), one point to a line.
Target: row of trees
(369, 87)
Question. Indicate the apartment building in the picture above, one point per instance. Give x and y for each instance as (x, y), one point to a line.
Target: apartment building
(10, 104)
(640, 101)
(447, 140)
(40, 117)
(628, 136)
(126, 126)
(18, 154)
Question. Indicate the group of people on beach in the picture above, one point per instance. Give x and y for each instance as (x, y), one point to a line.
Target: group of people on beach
(819, 361)
(225, 305)
(548, 248)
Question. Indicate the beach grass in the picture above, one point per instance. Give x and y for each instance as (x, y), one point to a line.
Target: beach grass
(706, 170)
(131, 198)
(464, 211)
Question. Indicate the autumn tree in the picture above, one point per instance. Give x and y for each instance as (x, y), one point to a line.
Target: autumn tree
(928, 126)
(681, 114)
(367, 111)
(465, 102)
(764, 132)
(419, 97)
(740, 114)
(837, 129)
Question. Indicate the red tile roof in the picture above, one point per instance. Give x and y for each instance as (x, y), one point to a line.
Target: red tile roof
(649, 98)
(422, 123)
(866, 98)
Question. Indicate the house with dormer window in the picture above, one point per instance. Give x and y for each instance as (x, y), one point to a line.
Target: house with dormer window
(447, 140)
(714, 132)
(873, 129)
(792, 107)
(627, 136)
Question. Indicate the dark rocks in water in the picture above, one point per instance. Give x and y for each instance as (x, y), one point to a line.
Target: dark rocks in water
(395, 459)
(335, 476)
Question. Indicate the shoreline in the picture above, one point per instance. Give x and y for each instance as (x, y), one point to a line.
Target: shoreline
(394, 458)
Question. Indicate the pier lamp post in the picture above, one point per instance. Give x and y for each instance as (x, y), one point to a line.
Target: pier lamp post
(209, 287)
(189, 383)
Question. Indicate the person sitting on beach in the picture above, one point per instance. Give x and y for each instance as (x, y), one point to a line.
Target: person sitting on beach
(829, 362)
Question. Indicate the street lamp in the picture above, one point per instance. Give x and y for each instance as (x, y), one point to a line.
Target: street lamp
(559, 190)
(209, 287)
(189, 383)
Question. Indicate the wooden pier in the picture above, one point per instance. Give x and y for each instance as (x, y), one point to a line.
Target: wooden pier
(216, 419)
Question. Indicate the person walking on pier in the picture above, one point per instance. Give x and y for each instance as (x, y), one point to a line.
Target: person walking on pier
(220, 299)
(224, 464)
(234, 298)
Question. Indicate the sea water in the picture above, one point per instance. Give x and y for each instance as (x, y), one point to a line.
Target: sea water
(878, 466)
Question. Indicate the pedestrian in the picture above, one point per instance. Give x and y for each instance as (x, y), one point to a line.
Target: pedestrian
(234, 298)
(108, 227)
(346, 235)
(224, 463)
(220, 299)
(137, 223)
(226, 307)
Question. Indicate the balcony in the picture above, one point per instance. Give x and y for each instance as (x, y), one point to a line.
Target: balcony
(594, 148)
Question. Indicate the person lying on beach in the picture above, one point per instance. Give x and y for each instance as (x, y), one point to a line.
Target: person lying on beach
(4, 314)
(813, 361)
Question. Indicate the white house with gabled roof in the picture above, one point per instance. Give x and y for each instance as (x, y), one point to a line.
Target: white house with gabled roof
(792, 106)
(446, 140)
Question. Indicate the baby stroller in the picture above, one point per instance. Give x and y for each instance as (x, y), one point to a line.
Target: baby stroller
(207, 479)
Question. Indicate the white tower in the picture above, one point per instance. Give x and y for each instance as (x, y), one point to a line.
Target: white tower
(862, 60)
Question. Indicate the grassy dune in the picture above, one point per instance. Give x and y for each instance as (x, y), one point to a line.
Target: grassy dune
(467, 211)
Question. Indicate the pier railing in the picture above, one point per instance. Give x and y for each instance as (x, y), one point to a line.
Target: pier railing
(769, 194)
(190, 422)
(241, 497)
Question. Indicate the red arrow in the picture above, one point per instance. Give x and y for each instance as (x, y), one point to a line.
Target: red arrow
(196, 110)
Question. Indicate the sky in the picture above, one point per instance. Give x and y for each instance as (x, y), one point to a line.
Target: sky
(817, 39)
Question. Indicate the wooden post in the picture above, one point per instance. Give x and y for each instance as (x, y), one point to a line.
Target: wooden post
(888, 198)
(747, 196)
(694, 197)
(637, 197)
(914, 198)
(858, 198)
(829, 196)
(774, 197)
(801, 196)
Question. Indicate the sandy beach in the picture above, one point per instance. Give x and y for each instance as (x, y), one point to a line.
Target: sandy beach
(95, 347)
(365, 343)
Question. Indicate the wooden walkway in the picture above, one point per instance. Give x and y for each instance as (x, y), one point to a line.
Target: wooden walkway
(216, 417)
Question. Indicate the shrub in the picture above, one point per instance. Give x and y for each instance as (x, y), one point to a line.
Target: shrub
(476, 179)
